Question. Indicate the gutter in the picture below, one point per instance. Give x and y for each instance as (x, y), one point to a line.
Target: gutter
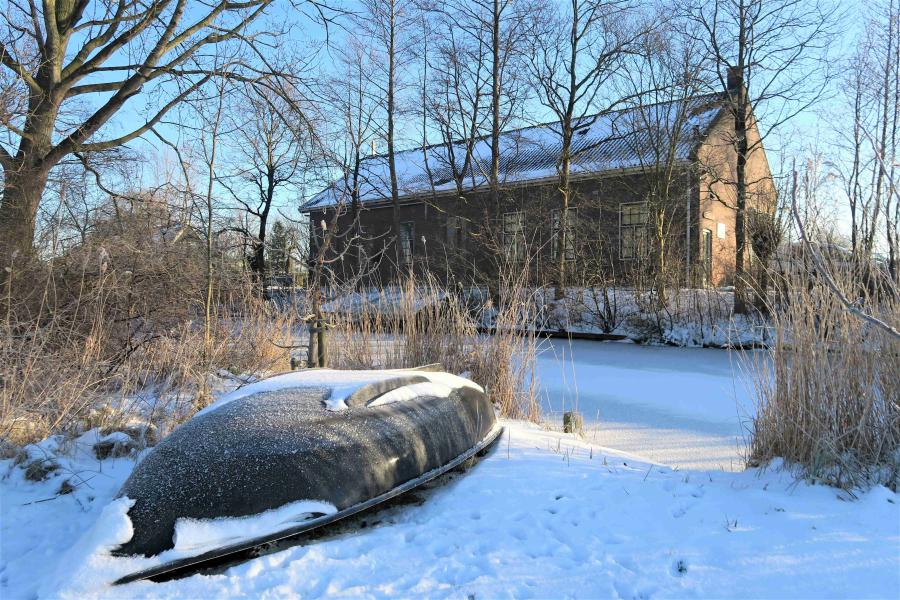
(417, 198)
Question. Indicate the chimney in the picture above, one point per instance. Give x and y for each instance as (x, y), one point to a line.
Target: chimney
(735, 79)
(373, 146)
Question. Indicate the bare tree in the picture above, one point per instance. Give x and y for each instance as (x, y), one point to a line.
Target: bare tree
(273, 143)
(354, 102)
(505, 22)
(456, 94)
(390, 23)
(768, 57)
(62, 55)
(664, 84)
(867, 153)
(210, 153)
(576, 53)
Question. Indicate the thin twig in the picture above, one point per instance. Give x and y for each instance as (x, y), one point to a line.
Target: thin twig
(826, 277)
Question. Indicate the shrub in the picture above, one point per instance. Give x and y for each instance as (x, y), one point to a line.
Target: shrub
(112, 328)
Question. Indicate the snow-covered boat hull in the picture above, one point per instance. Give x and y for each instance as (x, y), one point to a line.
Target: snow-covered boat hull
(281, 445)
(190, 564)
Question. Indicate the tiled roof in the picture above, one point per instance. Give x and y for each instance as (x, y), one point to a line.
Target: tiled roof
(618, 140)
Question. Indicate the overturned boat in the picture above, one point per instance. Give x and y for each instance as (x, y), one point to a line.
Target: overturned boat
(298, 451)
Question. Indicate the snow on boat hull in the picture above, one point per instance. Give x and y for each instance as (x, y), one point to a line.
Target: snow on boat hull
(268, 449)
(188, 565)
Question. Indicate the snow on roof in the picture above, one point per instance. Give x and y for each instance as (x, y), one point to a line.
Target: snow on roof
(617, 140)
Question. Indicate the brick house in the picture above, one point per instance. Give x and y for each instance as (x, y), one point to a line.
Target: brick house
(649, 182)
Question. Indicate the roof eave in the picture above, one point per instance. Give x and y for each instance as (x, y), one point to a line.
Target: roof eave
(422, 196)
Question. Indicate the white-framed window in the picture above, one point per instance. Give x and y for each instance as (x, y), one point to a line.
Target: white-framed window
(456, 232)
(514, 234)
(571, 228)
(407, 239)
(633, 220)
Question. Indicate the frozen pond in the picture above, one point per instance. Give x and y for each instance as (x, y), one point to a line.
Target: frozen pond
(685, 407)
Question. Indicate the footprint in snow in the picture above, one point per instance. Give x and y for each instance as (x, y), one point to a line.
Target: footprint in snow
(679, 568)
(627, 563)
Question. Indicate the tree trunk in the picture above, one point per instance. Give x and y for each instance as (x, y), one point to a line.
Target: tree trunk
(356, 206)
(740, 235)
(495, 105)
(659, 227)
(22, 191)
(258, 262)
(25, 177)
(322, 349)
(312, 354)
(563, 224)
(392, 166)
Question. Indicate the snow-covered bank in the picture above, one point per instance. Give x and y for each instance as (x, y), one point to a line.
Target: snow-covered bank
(690, 317)
(545, 515)
(686, 407)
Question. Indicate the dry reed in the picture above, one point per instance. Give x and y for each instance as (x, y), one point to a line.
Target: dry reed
(83, 356)
(828, 389)
(421, 322)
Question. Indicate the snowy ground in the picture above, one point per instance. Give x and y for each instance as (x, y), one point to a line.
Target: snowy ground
(545, 515)
(685, 407)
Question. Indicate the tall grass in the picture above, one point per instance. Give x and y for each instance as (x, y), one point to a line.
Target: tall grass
(89, 353)
(828, 389)
(420, 322)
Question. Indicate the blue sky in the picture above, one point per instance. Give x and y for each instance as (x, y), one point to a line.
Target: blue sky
(806, 130)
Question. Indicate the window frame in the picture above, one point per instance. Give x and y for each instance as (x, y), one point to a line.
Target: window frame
(632, 228)
(407, 247)
(514, 240)
(571, 227)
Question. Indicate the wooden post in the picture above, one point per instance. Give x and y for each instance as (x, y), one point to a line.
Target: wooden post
(572, 422)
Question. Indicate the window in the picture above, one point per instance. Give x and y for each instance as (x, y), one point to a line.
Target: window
(456, 232)
(706, 255)
(571, 227)
(514, 235)
(633, 220)
(406, 242)
(721, 230)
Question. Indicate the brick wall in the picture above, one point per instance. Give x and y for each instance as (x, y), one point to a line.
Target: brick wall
(479, 253)
(702, 200)
(717, 161)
